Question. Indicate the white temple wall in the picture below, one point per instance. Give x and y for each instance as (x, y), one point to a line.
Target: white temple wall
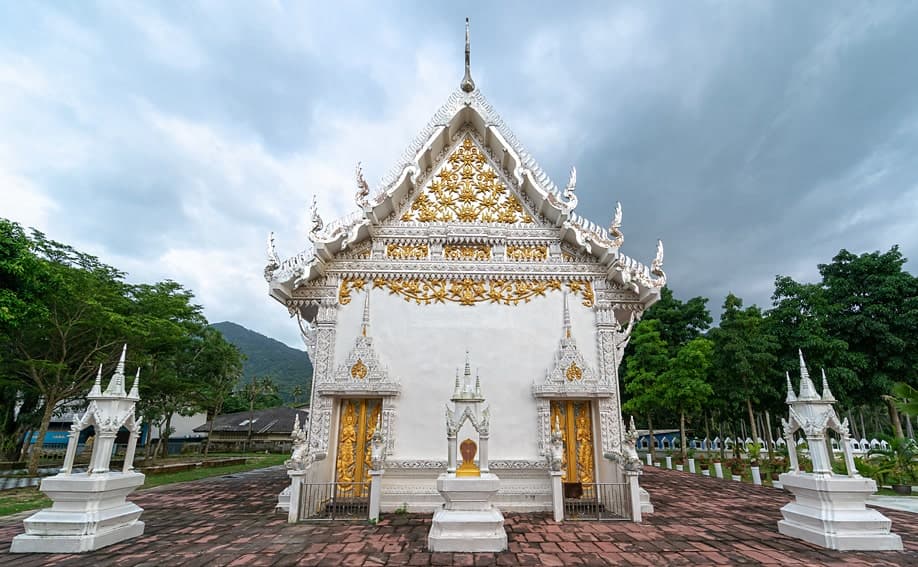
(423, 345)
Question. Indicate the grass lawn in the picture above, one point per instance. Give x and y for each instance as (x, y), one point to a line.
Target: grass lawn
(20, 499)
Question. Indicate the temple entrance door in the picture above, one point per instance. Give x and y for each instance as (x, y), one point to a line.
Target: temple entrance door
(357, 425)
(577, 435)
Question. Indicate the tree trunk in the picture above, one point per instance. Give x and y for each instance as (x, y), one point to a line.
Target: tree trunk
(164, 436)
(35, 454)
(210, 430)
(769, 439)
(894, 416)
(653, 454)
(26, 443)
(682, 435)
(248, 439)
(720, 434)
(753, 428)
(860, 412)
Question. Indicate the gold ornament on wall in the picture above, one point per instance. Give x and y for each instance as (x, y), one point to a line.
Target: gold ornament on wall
(359, 370)
(407, 251)
(347, 286)
(466, 189)
(478, 252)
(467, 291)
(574, 372)
(527, 253)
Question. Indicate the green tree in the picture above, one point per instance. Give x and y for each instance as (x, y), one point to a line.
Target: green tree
(680, 321)
(872, 305)
(220, 367)
(60, 320)
(744, 357)
(643, 370)
(684, 388)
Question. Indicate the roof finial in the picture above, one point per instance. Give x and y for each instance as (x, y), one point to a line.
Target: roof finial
(468, 85)
(366, 314)
(807, 388)
(566, 319)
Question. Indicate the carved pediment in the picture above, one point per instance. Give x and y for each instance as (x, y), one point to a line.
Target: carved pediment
(570, 375)
(361, 372)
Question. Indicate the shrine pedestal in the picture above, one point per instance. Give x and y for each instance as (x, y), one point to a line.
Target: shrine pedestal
(830, 511)
(468, 522)
(89, 512)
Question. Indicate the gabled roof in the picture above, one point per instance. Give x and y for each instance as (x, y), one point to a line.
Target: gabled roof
(271, 420)
(464, 111)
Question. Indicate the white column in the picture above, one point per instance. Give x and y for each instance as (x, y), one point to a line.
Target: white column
(849, 458)
(102, 451)
(719, 470)
(375, 494)
(451, 458)
(819, 454)
(483, 454)
(649, 459)
(557, 495)
(129, 453)
(792, 452)
(669, 462)
(296, 490)
(634, 495)
(71, 451)
(756, 476)
(691, 466)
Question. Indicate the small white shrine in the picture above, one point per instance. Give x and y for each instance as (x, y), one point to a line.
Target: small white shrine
(465, 245)
(89, 509)
(829, 509)
(468, 522)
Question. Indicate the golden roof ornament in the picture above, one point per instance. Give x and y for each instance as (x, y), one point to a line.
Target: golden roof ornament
(467, 85)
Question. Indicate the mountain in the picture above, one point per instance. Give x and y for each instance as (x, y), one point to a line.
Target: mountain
(265, 356)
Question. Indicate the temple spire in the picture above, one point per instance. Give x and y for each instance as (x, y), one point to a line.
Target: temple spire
(96, 390)
(135, 387)
(791, 397)
(807, 388)
(826, 392)
(116, 385)
(468, 85)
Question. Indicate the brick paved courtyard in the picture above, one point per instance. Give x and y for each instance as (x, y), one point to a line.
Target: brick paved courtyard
(229, 521)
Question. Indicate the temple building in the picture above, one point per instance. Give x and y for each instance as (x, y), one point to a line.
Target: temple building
(466, 259)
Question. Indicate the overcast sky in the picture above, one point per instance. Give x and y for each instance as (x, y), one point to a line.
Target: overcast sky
(168, 138)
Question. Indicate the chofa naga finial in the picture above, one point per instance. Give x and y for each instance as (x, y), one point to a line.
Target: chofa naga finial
(467, 85)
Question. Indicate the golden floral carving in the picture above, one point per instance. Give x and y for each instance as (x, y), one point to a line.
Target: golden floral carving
(467, 252)
(359, 370)
(466, 189)
(347, 286)
(358, 423)
(467, 291)
(573, 372)
(527, 253)
(583, 288)
(407, 251)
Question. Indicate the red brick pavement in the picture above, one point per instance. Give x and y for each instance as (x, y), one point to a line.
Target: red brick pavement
(698, 521)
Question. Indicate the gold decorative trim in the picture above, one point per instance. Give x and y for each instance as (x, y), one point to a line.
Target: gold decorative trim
(359, 370)
(527, 253)
(407, 251)
(347, 286)
(573, 372)
(467, 252)
(467, 291)
(583, 288)
(466, 189)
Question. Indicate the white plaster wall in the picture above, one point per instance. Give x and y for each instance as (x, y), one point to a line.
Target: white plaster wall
(423, 345)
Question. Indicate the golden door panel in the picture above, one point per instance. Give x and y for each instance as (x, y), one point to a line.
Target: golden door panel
(356, 427)
(577, 434)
